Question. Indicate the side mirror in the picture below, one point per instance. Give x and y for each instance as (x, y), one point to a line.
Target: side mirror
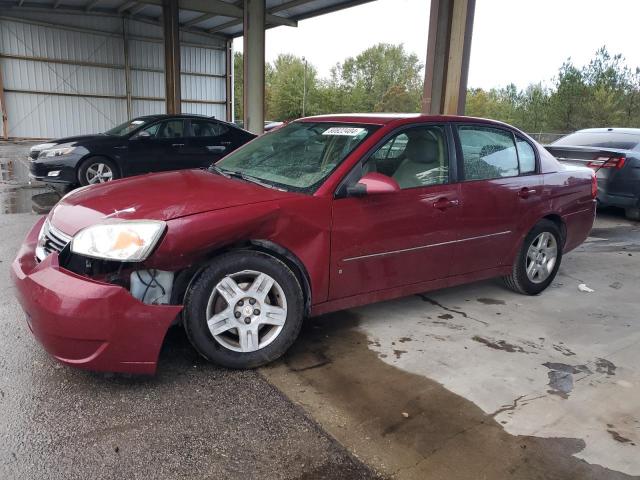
(141, 135)
(373, 184)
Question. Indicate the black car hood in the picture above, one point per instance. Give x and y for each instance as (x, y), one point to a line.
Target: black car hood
(83, 139)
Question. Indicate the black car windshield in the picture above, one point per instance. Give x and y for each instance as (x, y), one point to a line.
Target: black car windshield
(127, 127)
(299, 156)
(618, 140)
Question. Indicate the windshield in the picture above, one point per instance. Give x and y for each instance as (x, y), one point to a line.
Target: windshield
(299, 156)
(127, 127)
(619, 140)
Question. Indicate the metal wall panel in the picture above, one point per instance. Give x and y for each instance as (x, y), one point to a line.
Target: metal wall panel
(146, 54)
(202, 88)
(51, 116)
(70, 95)
(202, 60)
(55, 77)
(210, 110)
(147, 107)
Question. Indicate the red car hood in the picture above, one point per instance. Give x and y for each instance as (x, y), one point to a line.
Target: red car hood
(160, 196)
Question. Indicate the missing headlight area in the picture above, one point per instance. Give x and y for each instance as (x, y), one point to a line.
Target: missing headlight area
(152, 286)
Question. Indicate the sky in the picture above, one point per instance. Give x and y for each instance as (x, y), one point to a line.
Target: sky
(519, 41)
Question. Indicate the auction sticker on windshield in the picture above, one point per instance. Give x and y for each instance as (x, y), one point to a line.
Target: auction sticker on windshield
(346, 131)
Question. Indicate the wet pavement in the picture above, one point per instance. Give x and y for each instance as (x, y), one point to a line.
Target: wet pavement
(479, 382)
(192, 420)
(16, 190)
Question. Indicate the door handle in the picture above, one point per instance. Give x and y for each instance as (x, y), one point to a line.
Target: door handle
(526, 192)
(225, 143)
(177, 145)
(444, 203)
(121, 147)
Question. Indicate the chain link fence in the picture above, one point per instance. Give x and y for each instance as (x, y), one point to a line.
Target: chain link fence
(546, 138)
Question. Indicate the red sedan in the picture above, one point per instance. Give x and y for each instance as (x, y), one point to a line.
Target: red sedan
(323, 214)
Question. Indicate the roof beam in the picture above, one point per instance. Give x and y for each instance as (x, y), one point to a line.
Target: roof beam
(276, 9)
(217, 7)
(92, 4)
(199, 19)
(127, 5)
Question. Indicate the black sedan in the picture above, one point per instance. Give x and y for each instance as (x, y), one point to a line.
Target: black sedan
(614, 154)
(146, 144)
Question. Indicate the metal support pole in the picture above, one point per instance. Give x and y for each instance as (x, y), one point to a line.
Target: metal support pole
(229, 79)
(448, 51)
(254, 25)
(171, 25)
(127, 66)
(3, 108)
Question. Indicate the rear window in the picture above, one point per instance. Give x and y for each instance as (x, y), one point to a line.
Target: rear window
(619, 140)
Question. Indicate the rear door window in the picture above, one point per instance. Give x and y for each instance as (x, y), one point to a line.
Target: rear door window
(526, 155)
(487, 153)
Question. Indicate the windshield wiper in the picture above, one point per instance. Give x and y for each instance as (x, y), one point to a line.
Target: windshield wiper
(242, 176)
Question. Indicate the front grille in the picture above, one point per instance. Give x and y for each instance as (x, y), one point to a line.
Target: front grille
(51, 240)
(33, 154)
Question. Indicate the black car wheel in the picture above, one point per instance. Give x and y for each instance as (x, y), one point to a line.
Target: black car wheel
(245, 310)
(97, 170)
(538, 260)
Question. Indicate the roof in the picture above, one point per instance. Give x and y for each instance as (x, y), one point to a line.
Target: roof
(630, 131)
(385, 118)
(216, 17)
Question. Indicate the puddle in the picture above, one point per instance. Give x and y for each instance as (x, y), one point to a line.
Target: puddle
(408, 425)
(26, 199)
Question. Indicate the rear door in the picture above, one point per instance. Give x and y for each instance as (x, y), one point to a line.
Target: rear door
(496, 192)
(389, 240)
(210, 140)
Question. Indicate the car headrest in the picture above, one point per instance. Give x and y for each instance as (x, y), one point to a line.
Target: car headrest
(422, 149)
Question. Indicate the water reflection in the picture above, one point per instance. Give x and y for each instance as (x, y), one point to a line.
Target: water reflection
(17, 194)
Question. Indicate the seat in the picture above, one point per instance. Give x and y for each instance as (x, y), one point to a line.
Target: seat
(421, 155)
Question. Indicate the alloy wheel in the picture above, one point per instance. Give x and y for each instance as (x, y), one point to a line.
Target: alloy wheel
(99, 173)
(541, 257)
(246, 311)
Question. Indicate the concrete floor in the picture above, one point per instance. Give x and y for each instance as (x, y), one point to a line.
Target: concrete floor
(191, 421)
(479, 382)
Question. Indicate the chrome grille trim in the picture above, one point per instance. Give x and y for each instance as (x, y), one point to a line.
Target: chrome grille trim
(53, 240)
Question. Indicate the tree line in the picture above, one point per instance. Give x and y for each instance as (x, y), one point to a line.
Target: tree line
(386, 78)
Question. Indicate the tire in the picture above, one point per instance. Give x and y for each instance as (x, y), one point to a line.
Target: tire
(632, 213)
(244, 341)
(522, 282)
(99, 165)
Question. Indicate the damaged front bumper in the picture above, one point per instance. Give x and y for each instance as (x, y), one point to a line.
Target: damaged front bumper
(84, 323)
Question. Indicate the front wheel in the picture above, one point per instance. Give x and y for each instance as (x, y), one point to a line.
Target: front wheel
(97, 170)
(538, 260)
(244, 310)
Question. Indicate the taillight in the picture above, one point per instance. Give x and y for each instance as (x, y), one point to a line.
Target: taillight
(594, 186)
(607, 162)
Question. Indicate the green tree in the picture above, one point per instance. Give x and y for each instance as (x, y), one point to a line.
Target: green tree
(286, 85)
(238, 86)
(567, 109)
(368, 77)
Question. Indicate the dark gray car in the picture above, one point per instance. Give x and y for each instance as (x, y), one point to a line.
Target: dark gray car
(614, 154)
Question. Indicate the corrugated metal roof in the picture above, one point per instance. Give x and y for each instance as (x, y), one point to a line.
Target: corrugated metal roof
(222, 18)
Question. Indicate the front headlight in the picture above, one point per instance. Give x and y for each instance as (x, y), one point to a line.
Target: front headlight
(122, 240)
(56, 152)
(42, 146)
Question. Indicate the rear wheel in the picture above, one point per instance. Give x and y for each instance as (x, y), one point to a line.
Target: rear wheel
(245, 310)
(97, 170)
(538, 260)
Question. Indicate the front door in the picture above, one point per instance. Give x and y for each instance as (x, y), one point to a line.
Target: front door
(161, 147)
(388, 240)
